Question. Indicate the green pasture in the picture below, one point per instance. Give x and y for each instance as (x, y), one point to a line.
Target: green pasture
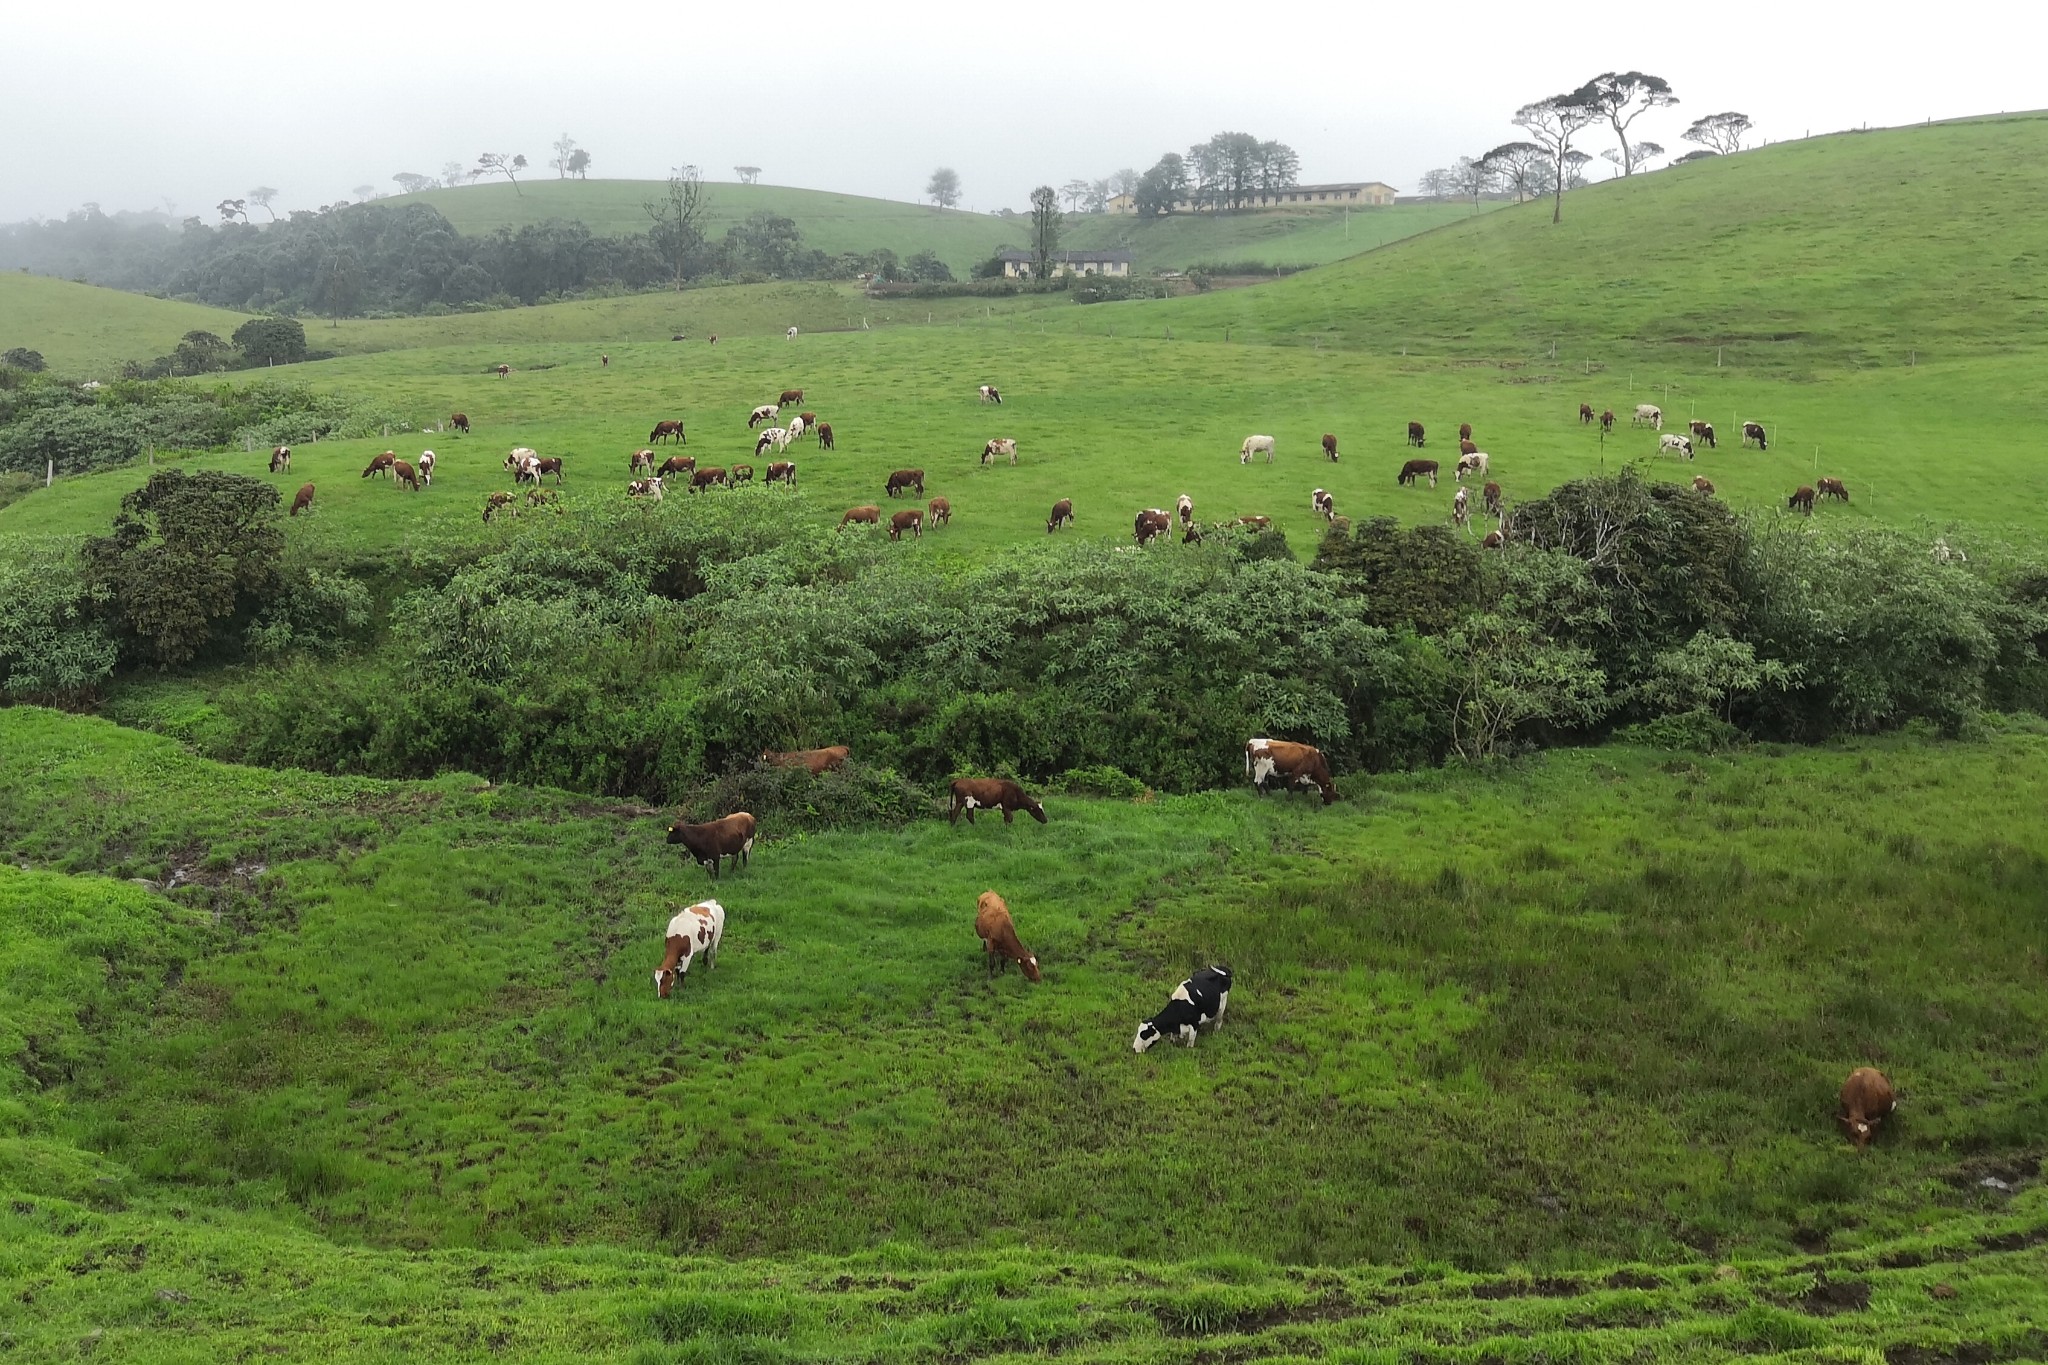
(1119, 424)
(86, 332)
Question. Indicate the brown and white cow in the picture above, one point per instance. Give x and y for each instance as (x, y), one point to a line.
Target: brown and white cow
(789, 396)
(939, 513)
(825, 436)
(645, 488)
(731, 837)
(381, 464)
(1296, 765)
(1834, 488)
(869, 515)
(782, 471)
(504, 370)
(990, 394)
(1330, 445)
(693, 933)
(303, 501)
(901, 479)
(1703, 432)
(1002, 445)
(971, 794)
(1867, 1101)
(813, 761)
(550, 464)
(280, 458)
(1754, 431)
(711, 476)
(1151, 522)
(643, 460)
(1702, 484)
(911, 520)
(1062, 515)
(1416, 469)
(667, 431)
(1323, 505)
(1184, 509)
(765, 413)
(498, 502)
(1415, 434)
(426, 463)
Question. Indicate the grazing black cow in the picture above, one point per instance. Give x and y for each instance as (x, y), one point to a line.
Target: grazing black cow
(1198, 1001)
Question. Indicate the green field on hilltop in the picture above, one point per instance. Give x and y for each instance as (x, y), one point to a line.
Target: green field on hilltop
(1587, 1013)
(87, 332)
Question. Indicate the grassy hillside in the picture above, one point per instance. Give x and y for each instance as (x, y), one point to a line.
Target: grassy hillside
(1284, 237)
(1589, 1012)
(1859, 249)
(87, 331)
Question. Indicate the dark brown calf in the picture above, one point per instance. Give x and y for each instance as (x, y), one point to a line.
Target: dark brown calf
(460, 421)
(1062, 514)
(1585, 414)
(813, 761)
(825, 436)
(402, 472)
(1607, 420)
(1802, 499)
(1491, 495)
(971, 794)
(731, 837)
(1834, 488)
(789, 396)
(869, 516)
(677, 464)
(906, 478)
(710, 476)
(1466, 446)
(1415, 434)
(1465, 432)
(1330, 445)
(304, 501)
(912, 521)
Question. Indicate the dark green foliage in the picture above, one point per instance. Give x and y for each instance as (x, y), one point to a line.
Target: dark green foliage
(189, 551)
(22, 358)
(271, 341)
(854, 794)
(1422, 578)
(53, 647)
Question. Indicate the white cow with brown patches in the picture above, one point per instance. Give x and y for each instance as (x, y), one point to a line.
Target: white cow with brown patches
(692, 934)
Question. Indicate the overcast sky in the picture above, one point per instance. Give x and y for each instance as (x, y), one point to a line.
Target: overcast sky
(130, 105)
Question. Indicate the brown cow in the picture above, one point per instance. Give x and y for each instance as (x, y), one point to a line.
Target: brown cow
(1415, 469)
(551, 464)
(708, 477)
(667, 431)
(1465, 431)
(971, 794)
(809, 419)
(741, 473)
(939, 513)
(1151, 522)
(1299, 765)
(1256, 523)
(782, 471)
(381, 464)
(677, 464)
(1062, 514)
(1415, 434)
(642, 459)
(789, 396)
(1704, 431)
(869, 515)
(1466, 446)
(1867, 1101)
(504, 370)
(998, 935)
(1585, 414)
(1494, 540)
(1330, 445)
(731, 837)
(498, 502)
(1834, 488)
(1607, 420)
(906, 478)
(280, 458)
(1491, 496)
(304, 501)
(403, 472)
(813, 761)
(911, 520)
(1802, 499)
(825, 436)
(1702, 484)
(460, 421)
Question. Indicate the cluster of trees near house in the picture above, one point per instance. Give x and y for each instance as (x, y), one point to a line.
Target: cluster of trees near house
(1226, 172)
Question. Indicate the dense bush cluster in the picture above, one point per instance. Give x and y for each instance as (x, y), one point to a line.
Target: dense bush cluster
(630, 652)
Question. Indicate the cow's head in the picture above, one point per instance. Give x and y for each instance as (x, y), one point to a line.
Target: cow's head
(1858, 1131)
(1038, 814)
(1148, 1034)
(1030, 967)
(675, 832)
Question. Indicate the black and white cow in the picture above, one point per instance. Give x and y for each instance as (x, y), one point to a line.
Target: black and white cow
(1198, 1001)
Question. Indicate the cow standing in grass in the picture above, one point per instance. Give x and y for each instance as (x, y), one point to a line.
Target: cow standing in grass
(971, 794)
(694, 933)
(1197, 1003)
(731, 837)
(1296, 765)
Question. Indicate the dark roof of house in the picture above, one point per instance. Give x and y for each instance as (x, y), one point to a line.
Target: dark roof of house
(1072, 257)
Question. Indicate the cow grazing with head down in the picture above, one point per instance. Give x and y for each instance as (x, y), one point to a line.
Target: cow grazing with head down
(869, 515)
(1295, 765)
(303, 501)
(739, 474)
(825, 436)
(498, 502)
(645, 488)
(1464, 431)
(1607, 420)
(642, 460)
(692, 934)
(381, 464)
(1062, 515)
(1323, 504)
(402, 472)
(901, 479)
(1648, 415)
(1255, 445)
(939, 513)
(1702, 484)
(971, 794)
(795, 429)
(1415, 434)
(1491, 496)
(1002, 445)
(808, 419)
(990, 394)
(1196, 1003)
(1703, 432)
(427, 458)
(1676, 443)
(525, 466)
(1801, 499)
(782, 471)
(1466, 446)
(280, 458)
(1834, 488)
(1585, 414)
(998, 935)
(813, 761)
(667, 431)
(731, 837)
(1152, 522)
(1867, 1101)
(778, 437)
(504, 370)
(1473, 462)
(1754, 432)
(911, 520)
(709, 477)
(765, 413)
(789, 396)
(1494, 540)
(1330, 446)
(460, 421)
(677, 464)
(1415, 469)
(1184, 508)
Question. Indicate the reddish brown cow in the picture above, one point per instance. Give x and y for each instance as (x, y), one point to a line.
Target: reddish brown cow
(1867, 1100)
(1466, 446)
(667, 431)
(998, 936)
(869, 516)
(1465, 432)
(381, 464)
(911, 520)
(677, 464)
(1585, 414)
(1415, 469)
(1491, 496)
(906, 478)
(304, 501)
(1607, 420)
(403, 472)
(809, 419)
(813, 761)
(1415, 433)
(1256, 523)
(1062, 514)
(1330, 445)
(939, 513)
(504, 370)
(782, 471)
(1802, 499)
(971, 794)
(1702, 484)
(1297, 765)
(1834, 488)
(789, 396)
(460, 421)
(1151, 522)
(824, 436)
(711, 476)
(731, 837)
(1494, 540)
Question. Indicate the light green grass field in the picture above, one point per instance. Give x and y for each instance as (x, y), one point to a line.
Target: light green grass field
(86, 332)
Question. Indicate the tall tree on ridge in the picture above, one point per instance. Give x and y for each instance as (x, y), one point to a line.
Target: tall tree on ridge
(1621, 97)
(1553, 123)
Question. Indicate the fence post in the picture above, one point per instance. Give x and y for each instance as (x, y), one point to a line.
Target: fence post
(49, 473)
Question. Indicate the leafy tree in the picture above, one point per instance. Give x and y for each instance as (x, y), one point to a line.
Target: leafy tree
(411, 182)
(678, 220)
(1575, 163)
(1621, 97)
(1123, 182)
(579, 164)
(1506, 676)
(271, 341)
(231, 209)
(1278, 167)
(749, 174)
(1645, 152)
(767, 242)
(564, 148)
(1471, 178)
(926, 267)
(1436, 183)
(1074, 194)
(261, 197)
(22, 358)
(497, 163)
(52, 645)
(453, 173)
(341, 283)
(1425, 578)
(1553, 123)
(944, 187)
(199, 352)
(1164, 186)
(1708, 672)
(1045, 228)
(189, 550)
(364, 193)
(1719, 133)
(1697, 154)
(1521, 166)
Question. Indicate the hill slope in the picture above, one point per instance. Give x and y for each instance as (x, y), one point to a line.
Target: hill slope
(1854, 249)
(87, 331)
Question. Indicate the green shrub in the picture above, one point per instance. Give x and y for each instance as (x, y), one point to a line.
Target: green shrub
(1700, 732)
(1101, 780)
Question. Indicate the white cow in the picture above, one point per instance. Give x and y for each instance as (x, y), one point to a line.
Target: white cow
(790, 335)
(1475, 463)
(765, 413)
(1675, 442)
(693, 933)
(645, 488)
(1001, 445)
(426, 466)
(1649, 414)
(796, 427)
(773, 436)
(525, 466)
(991, 394)
(1253, 445)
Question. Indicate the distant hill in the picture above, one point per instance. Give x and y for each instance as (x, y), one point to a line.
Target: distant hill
(86, 332)
(847, 222)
